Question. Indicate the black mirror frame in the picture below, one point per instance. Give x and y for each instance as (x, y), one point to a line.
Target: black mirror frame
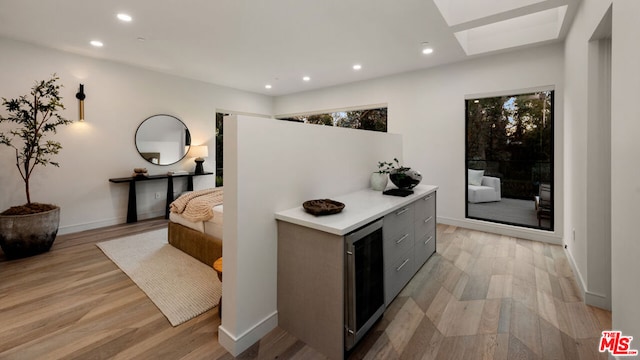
(187, 140)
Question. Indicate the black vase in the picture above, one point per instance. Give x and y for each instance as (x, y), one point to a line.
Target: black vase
(407, 179)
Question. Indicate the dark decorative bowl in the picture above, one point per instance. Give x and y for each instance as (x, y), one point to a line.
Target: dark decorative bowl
(323, 206)
(407, 179)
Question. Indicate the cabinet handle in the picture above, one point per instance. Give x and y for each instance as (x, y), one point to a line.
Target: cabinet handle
(402, 265)
(427, 198)
(429, 239)
(402, 211)
(402, 238)
(428, 219)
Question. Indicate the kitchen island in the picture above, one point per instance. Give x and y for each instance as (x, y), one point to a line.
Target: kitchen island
(313, 279)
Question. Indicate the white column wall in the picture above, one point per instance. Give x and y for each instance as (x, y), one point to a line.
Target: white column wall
(119, 98)
(427, 108)
(270, 166)
(598, 178)
(579, 145)
(625, 183)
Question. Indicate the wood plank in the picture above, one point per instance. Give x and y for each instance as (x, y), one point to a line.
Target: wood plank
(502, 266)
(462, 318)
(547, 308)
(440, 303)
(476, 288)
(500, 286)
(525, 293)
(505, 316)
(420, 340)
(519, 351)
(74, 302)
(382, 350)
(525, 326)
(552, 347)
(490, 319)
(582, 321)
(570, 290)
(542, 281)
(402, 328)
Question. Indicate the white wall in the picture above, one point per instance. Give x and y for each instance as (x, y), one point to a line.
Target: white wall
(587, 141)
(273, 165)
(119, 98)
(625, 127)
(625, 191)
(427, 108)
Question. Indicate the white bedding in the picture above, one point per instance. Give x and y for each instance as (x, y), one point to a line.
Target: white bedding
(211, 227)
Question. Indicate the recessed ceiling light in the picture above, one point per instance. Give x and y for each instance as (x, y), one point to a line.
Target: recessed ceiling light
(427, 50)
(267, 86)
(476, 101)
(357, 67)
(96, 43)
(306, 78)
(124, 17)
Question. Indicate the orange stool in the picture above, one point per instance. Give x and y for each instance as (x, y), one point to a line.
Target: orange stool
(217, 266)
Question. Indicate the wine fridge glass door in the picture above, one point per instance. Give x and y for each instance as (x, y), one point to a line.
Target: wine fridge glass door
(364, 302)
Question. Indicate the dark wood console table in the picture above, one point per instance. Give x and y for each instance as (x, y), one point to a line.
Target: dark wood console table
(132, 207)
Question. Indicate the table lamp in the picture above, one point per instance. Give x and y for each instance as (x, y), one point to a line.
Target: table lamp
(199, 152)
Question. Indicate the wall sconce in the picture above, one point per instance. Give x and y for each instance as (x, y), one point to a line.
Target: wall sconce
(81, 96)
(199, 152)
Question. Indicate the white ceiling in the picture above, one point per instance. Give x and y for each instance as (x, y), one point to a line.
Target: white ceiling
(247, 44)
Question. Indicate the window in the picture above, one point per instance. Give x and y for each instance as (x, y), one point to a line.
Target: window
(220, 141)
(367, 119)
(509, 159)
(219, 148)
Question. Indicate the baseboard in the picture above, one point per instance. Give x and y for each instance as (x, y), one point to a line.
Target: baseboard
(236, 345)
(503, 229)
(69, 229)
(572, 263)
(597, 300)
(590, 298)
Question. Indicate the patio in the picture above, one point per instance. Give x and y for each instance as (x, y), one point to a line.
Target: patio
(513, 211)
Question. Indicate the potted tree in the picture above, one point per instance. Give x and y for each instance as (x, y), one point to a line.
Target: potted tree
(31, 228)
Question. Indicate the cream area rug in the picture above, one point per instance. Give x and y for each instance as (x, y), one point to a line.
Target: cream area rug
(178, 284)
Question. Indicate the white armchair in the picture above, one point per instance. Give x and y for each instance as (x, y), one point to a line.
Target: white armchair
(486, 191)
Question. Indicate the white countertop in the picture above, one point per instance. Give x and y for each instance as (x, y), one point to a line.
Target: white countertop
(361, 208)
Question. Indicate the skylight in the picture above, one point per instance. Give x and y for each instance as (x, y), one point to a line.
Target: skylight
(461, 11)
(528, 29)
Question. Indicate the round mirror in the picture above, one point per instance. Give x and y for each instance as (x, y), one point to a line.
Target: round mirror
(163, 139)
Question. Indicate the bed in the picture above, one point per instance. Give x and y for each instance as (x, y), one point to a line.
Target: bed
(201, 235)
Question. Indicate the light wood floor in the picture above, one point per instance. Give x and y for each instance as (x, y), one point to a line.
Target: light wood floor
(480, 296)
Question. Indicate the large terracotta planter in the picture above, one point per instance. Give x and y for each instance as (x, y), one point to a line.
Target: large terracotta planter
(27, 235)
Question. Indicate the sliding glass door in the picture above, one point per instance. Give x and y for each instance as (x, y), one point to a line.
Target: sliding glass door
(509, 159)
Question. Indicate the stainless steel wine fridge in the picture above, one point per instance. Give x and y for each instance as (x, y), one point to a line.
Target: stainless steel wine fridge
(364, 281)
